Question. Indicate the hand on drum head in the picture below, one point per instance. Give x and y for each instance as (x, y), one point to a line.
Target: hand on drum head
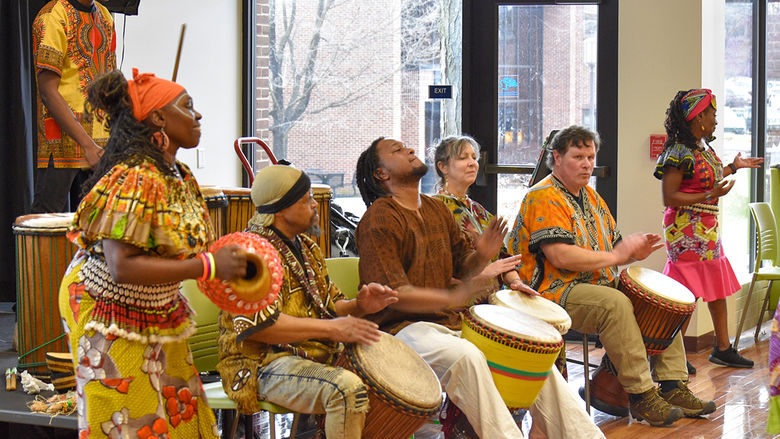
(230, 262)
(492, 239)
(520, 286)
(374, 297)
(354, 330)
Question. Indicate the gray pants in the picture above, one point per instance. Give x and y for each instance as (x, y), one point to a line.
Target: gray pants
(306, 386)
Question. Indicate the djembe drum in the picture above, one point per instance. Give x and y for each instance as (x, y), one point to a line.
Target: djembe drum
(239, 210)
(403, 391)
(541, 308)
(42, 255)
(661, 307)
(217, 204)
(520, 350)
(323, 194)
(536, 306)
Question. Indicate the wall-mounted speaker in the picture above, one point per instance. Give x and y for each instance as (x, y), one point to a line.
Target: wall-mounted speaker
(127, 7)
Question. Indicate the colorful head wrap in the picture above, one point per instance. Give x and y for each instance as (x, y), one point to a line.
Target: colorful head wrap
(695, 101)
(276, 188)
(148, 92)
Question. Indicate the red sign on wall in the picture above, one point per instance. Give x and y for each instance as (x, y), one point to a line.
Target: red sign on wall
(656, 145)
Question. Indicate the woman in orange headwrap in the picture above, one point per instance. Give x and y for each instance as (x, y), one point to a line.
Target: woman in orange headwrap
(141, 229)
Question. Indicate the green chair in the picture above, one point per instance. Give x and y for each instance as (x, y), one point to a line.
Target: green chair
(766, 231)
(205, 356)
(344, 273)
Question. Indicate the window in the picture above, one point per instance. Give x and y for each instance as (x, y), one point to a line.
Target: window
(546, 81)
(735, 115)
(331, 76)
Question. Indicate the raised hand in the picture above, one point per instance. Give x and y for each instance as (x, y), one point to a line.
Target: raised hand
(501, 266)
(374, 297)
(492, 239)
(470, 230)
(721, 188)
(747, 162)
(354, 330)
(652, 242)
(625, 249)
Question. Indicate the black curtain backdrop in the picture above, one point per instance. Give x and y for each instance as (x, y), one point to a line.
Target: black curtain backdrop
(17, 128)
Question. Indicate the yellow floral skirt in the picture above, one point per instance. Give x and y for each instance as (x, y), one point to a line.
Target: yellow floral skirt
(128, 388)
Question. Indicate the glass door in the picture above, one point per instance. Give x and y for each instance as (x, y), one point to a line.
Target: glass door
(544, 72)
(546, 81)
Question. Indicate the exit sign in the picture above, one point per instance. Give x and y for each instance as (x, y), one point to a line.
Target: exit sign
(439, 92)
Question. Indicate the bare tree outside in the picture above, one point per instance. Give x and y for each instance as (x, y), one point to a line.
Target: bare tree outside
(329, 54)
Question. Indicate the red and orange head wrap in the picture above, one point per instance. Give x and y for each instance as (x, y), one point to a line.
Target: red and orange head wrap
(148, 92)
(695, 101)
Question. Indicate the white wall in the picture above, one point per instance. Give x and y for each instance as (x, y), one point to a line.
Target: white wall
(210, 70)
(664, 46)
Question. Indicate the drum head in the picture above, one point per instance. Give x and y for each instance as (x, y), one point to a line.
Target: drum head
(395, 368)
(237, 192)
(211, 192)
(660, 284)
(44, 222)
(515, 323)
(536, 306)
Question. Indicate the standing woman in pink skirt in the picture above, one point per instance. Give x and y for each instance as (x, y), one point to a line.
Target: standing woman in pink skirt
(692, 182)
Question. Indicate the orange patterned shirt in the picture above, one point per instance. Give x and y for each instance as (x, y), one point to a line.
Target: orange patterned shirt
(549, 214)
(78, 46)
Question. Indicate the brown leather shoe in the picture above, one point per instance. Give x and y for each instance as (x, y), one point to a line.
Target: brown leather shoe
(606, 392)
(655, 410)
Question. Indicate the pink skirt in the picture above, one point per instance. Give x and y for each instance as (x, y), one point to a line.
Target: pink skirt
(709, 280)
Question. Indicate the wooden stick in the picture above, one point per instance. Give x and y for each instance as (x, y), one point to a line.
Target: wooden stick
(178, 52)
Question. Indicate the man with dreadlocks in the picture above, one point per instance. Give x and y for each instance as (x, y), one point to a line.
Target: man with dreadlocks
(412, 243)
(282, 353)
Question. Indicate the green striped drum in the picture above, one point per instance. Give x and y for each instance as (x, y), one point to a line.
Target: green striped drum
(520, 350)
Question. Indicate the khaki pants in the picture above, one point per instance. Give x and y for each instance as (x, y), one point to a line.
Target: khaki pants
(465, 376)
(605, 311)
(305, 386)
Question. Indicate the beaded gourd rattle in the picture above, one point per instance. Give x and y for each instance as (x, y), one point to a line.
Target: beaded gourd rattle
(255, 291)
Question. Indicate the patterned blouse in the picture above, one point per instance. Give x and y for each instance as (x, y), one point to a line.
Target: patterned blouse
(306, 292)
(77, 43)
(701, 169)
(467, 211)
(549, 214)
(161, 214)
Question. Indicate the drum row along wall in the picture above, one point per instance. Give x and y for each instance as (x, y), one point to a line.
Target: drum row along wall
(43, 254)
(231, 208)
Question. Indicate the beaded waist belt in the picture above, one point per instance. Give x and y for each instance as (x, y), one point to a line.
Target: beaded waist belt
(146, 313)
(98, 278)
(711, 209)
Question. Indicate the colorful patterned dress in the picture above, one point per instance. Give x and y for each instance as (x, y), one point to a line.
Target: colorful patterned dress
(773, 422)
(134, 370)
(694, 254)
(77, 43)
